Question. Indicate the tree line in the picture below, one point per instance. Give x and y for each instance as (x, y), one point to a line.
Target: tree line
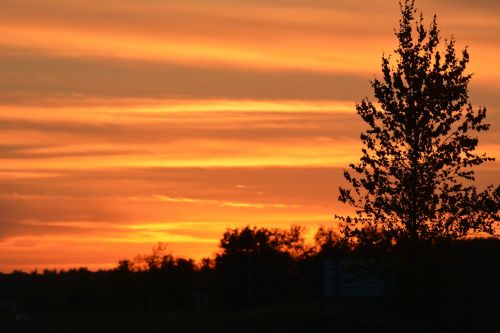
(254, 267)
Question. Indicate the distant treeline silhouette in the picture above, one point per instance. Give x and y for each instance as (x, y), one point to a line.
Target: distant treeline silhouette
(255, 267)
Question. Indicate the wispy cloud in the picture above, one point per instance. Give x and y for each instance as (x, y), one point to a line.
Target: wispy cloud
(222, 203)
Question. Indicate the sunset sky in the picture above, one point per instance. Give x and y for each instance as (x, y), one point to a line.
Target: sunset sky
(124, 123)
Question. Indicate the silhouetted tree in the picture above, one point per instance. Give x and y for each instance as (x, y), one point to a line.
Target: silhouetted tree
(414, 182)
(155, 260)
(125, 266)
(253, 263)
(329, 242)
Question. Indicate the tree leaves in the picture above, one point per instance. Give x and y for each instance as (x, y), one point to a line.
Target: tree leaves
(414, 178)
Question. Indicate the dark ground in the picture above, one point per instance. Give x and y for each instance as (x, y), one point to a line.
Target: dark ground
(344, 316)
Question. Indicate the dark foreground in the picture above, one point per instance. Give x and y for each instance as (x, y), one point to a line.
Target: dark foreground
(344, 316)
(267, 281)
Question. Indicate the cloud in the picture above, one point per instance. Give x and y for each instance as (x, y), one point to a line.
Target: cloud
(202, 202)
(481, 5)
(165, 128)
(102, 197)
(31, 78)
(42, 152)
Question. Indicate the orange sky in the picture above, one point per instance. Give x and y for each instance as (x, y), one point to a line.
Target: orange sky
(128, 122)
